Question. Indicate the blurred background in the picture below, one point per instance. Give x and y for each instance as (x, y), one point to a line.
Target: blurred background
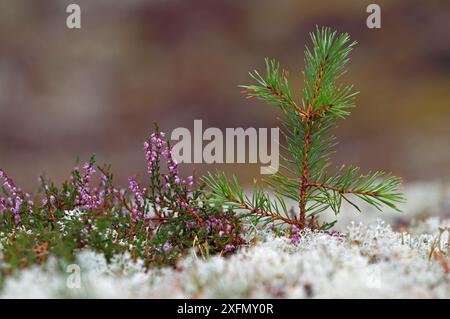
(67, 93)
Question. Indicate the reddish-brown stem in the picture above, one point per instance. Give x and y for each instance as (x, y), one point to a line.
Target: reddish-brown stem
(341, 190)
(281, 96)
(124, 203)
(303, 187)
(263, 213)
(310, 115)
(320, 111)
(302, 113)
(191, 211)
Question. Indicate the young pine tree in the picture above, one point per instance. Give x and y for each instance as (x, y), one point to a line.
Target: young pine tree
(307, 128)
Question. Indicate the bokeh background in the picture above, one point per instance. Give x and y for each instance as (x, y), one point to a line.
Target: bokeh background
(67, 93)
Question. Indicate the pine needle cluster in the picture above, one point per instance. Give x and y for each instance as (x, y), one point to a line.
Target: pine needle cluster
(307, 129)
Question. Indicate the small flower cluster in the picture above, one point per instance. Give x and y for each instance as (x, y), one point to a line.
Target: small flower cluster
(153, 150)
(139, 208)
(78, 192)
(15, 200)
(294, 234)
(87, 198)
(98, 197)
(168, 192)
(222, 228)
(135, 188)
(170, 204)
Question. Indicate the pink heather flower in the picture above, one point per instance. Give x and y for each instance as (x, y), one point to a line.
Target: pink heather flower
(135, 212)
(335, 233)
(230, 248)
(7, 183)
(2, 206)
(17, 218)
(152, 148)
(166, 247)
(86, 198)
(166, 153)
(295, 239)
(190, 225)
(15, 197)
(134, 187)
(16, 208)
(104, 179)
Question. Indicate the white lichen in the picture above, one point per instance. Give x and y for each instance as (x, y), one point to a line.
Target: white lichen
(368, 261)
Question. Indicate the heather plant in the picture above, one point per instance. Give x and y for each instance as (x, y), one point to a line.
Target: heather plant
(305, 176)
(158, 223)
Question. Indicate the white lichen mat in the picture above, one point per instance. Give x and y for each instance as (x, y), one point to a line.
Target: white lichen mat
(367, 262)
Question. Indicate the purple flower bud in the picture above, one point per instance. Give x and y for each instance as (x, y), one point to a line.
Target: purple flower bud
(190, 225)
(230, 248)
(17, 219)
(2, 206)
(166, 247)
(134, 187)
(295, 239)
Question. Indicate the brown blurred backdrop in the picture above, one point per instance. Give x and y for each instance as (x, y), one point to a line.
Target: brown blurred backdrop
(65, 93)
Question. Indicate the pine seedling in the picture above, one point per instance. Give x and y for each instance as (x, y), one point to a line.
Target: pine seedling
(307, 126)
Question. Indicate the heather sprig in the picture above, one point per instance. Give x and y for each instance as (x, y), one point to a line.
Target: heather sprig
(79, 192)
(13, 198)
(170, 205)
